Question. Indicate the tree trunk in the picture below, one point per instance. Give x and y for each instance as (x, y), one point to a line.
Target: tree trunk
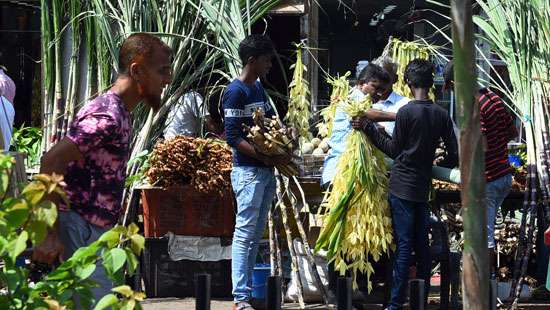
(475, 278)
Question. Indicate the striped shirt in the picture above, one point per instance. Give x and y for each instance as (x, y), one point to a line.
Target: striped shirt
(496, 126)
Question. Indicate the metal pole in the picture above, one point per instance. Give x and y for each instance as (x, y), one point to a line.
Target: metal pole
(273, 295)
(475, 278)
(417, 292)
(202, 291)
(344, 290)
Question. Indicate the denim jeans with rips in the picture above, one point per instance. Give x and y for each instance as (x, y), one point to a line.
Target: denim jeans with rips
(254, 189)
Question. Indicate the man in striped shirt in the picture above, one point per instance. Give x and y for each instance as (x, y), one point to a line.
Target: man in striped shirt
(498, 129)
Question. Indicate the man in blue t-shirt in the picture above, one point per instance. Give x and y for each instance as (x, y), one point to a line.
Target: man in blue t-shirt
(252, 177)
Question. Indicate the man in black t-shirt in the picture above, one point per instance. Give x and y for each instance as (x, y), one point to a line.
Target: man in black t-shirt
(418, 127)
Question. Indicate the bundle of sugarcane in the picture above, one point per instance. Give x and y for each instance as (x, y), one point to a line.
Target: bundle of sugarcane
(270, 137)
(357, 228)
(204, 163)
(402, 53)
(298, 114)
(340, 93)
(507, 236)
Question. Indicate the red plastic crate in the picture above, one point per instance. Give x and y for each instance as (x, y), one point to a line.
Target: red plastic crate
(184, 211)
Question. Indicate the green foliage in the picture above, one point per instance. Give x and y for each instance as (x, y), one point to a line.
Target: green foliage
(26, 219)
(141, 160)
(28, 140)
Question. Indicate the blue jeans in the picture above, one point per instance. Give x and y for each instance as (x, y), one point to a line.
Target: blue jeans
(254, 189)
(75, 232)
(410, 222)
(495, 193)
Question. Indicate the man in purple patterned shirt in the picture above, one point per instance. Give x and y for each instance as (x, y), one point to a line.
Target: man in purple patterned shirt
(94, 153)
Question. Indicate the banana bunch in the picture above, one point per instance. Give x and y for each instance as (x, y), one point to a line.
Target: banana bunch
(403, 53)
(357, 226)
(298, 114)
(340, 93)
(270, 137)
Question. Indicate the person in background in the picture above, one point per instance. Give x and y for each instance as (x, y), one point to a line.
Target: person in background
(252, 178)
(498, 129)
(374, 81)
(418, 127)
(387, 105)
(7, 95)
(356, 93)
(93, 155)
(7, 86)
(188, 117)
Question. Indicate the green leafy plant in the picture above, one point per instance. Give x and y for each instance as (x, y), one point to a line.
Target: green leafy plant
(25, 220)
(27, 140)
(142, 160)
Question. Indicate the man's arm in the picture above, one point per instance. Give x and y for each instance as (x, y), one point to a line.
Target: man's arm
(380, 116)
(59, 156)
(449, 138)
(390, 146)
(234, 113)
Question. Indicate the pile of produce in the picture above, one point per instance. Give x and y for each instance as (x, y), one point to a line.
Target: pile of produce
(316, 147)
(507, 236)
(204, 163)
(357, 228)
(270, 137)
(445, 186)
(298, 114)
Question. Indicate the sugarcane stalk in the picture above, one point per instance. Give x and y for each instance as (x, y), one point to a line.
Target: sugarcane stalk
(311, 260)
(529, 239)
(57, 9)
(476, 266)
(293, 256)
(73, 87)
(272, 245)
(47, 57)
(521, 240)
(278, 256)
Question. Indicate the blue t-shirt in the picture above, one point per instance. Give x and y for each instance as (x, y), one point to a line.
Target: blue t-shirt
(239, 103)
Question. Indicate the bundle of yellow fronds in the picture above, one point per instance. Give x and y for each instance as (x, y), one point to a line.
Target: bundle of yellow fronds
(357, 228)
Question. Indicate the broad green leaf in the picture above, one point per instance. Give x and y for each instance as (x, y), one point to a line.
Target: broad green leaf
(137, 242)
(132, 261)
(114, 259)
(20, 244)
(37, 231)
(34, 192)
(106, 302)
(124, 290)
(17, 214)
(132, 229)
(83, 272)
(111, 237)
(47, 213)
(58, 275)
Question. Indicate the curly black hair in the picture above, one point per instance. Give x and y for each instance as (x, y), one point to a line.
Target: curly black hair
(255, 45)
(419, 73)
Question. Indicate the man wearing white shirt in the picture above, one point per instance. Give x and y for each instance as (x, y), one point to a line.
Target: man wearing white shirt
(7, 113)
(187, 117)
(391, 104)
(387, 105)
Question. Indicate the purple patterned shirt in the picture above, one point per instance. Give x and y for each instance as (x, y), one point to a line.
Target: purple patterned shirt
(101, 131)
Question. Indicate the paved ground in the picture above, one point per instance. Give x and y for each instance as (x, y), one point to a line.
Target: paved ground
(189, 304)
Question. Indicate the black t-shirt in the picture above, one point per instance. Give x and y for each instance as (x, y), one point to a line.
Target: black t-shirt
(418, 127)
